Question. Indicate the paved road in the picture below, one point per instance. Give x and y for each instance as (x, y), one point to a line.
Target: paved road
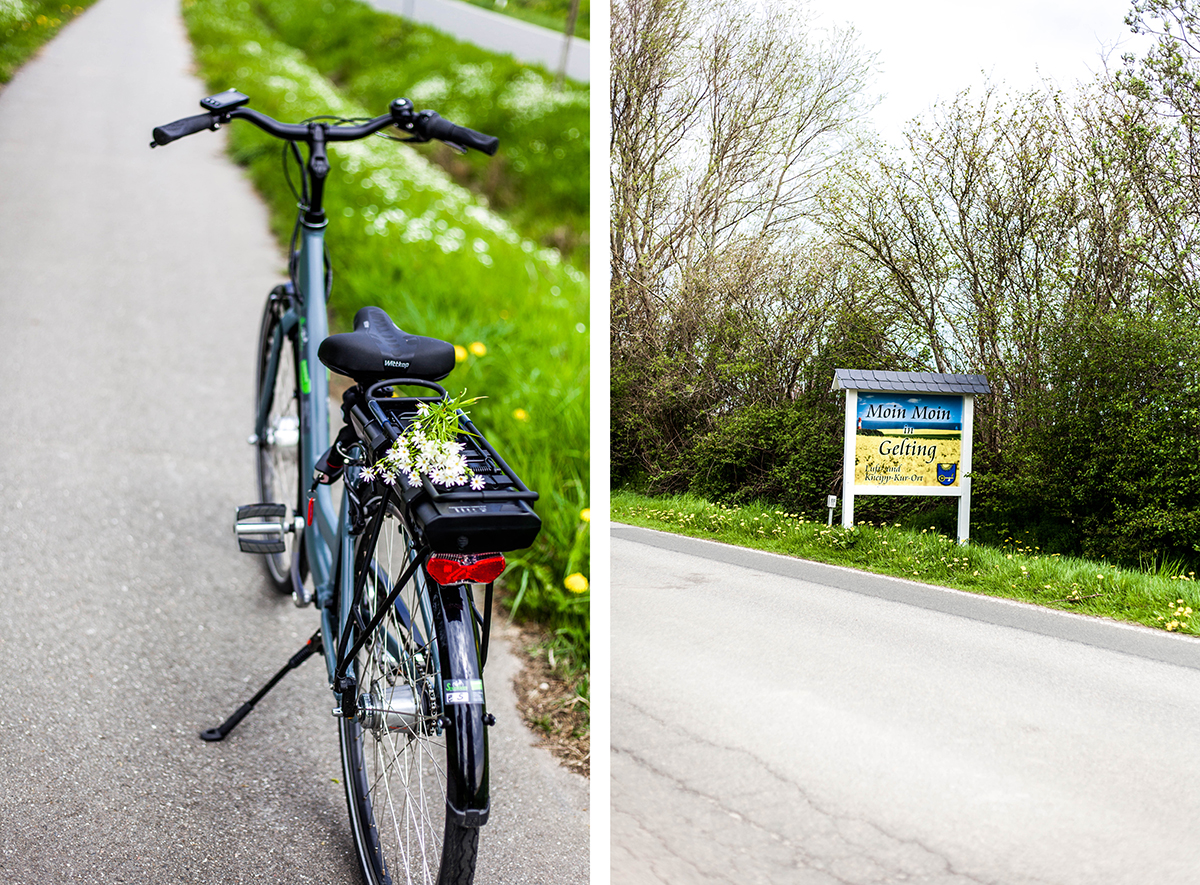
(498, 32)
(779, 721)
(129, 297)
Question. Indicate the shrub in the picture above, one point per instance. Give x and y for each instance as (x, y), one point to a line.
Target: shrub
(1103, 461)
(788, 455)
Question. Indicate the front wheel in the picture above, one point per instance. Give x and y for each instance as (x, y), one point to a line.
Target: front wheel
(277, 426)
(395, 755)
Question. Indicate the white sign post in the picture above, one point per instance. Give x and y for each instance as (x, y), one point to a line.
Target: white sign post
(908, 433)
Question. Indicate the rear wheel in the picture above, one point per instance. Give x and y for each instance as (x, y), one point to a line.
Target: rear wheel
(277, 445)
(394, 755)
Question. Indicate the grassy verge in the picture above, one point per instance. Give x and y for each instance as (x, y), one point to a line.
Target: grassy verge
(555, 708)
(538, 181)
(550, 14)
(26, 25)
(404, 236)
(1166, 600)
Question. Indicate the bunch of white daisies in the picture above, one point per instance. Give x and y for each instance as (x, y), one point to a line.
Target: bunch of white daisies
(430, 446)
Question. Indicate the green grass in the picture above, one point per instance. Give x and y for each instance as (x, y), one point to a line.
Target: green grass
(404, 236)
(26, 25)
(551, 14)
(1163, 598)
(539, 179)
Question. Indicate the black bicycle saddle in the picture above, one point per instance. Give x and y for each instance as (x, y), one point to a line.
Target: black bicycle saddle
(378, 349)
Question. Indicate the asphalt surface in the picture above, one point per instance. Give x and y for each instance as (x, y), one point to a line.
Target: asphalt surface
(498, 32)
(780, 721)
(130, 288)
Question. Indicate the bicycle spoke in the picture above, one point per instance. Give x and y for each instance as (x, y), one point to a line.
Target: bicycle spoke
(415, 837)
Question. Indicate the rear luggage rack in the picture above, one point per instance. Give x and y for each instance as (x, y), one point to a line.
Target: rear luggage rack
(496, 518)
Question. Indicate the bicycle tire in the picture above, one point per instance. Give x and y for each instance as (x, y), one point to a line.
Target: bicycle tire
(277, 441)
(395, 763)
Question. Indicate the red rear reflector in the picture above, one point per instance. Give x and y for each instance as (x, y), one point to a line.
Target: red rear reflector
(465, 568)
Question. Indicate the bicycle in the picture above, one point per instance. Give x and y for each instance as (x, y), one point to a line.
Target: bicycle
(391, 568)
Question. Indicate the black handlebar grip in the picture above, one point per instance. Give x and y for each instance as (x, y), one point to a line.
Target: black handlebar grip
(180, 128)
(442, 129)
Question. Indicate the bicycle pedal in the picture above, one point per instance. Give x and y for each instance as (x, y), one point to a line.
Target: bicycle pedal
(252, 545)
(248, 510)
(259, 528)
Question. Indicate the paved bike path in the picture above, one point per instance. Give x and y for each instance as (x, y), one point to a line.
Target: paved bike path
(130, 287)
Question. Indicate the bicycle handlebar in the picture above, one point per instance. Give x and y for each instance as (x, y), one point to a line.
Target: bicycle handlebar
(303, 131)
(427, 125)
(422, 125)
(187, 126)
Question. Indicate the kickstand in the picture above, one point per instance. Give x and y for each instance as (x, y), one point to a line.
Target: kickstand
(310, 648)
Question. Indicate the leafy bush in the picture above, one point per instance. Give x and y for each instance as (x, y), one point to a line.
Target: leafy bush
(1105, 464)
(786, 455)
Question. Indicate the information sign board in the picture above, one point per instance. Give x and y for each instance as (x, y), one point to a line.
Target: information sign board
(908, 433)
(908, 441)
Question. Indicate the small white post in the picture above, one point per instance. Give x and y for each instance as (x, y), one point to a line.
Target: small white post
(849, 451)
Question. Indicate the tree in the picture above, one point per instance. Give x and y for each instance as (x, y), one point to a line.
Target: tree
(975, 233)
(1165, 153)
(724, 118)
(1170, 72)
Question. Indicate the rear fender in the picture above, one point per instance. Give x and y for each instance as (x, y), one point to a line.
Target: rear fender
(461, 690)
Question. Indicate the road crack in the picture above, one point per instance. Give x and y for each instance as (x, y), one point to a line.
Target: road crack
(782, 826)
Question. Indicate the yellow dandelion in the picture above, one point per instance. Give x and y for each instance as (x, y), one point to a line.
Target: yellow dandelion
(586, 514)
(576, 582)
(460, 353)
(478, 348)
(520, 414)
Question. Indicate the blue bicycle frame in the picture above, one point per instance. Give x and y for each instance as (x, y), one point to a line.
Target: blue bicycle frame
(321, 535)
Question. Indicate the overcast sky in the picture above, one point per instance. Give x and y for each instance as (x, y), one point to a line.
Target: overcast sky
(930, 49)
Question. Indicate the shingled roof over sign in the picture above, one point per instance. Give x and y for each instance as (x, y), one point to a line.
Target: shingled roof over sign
(909, 382)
